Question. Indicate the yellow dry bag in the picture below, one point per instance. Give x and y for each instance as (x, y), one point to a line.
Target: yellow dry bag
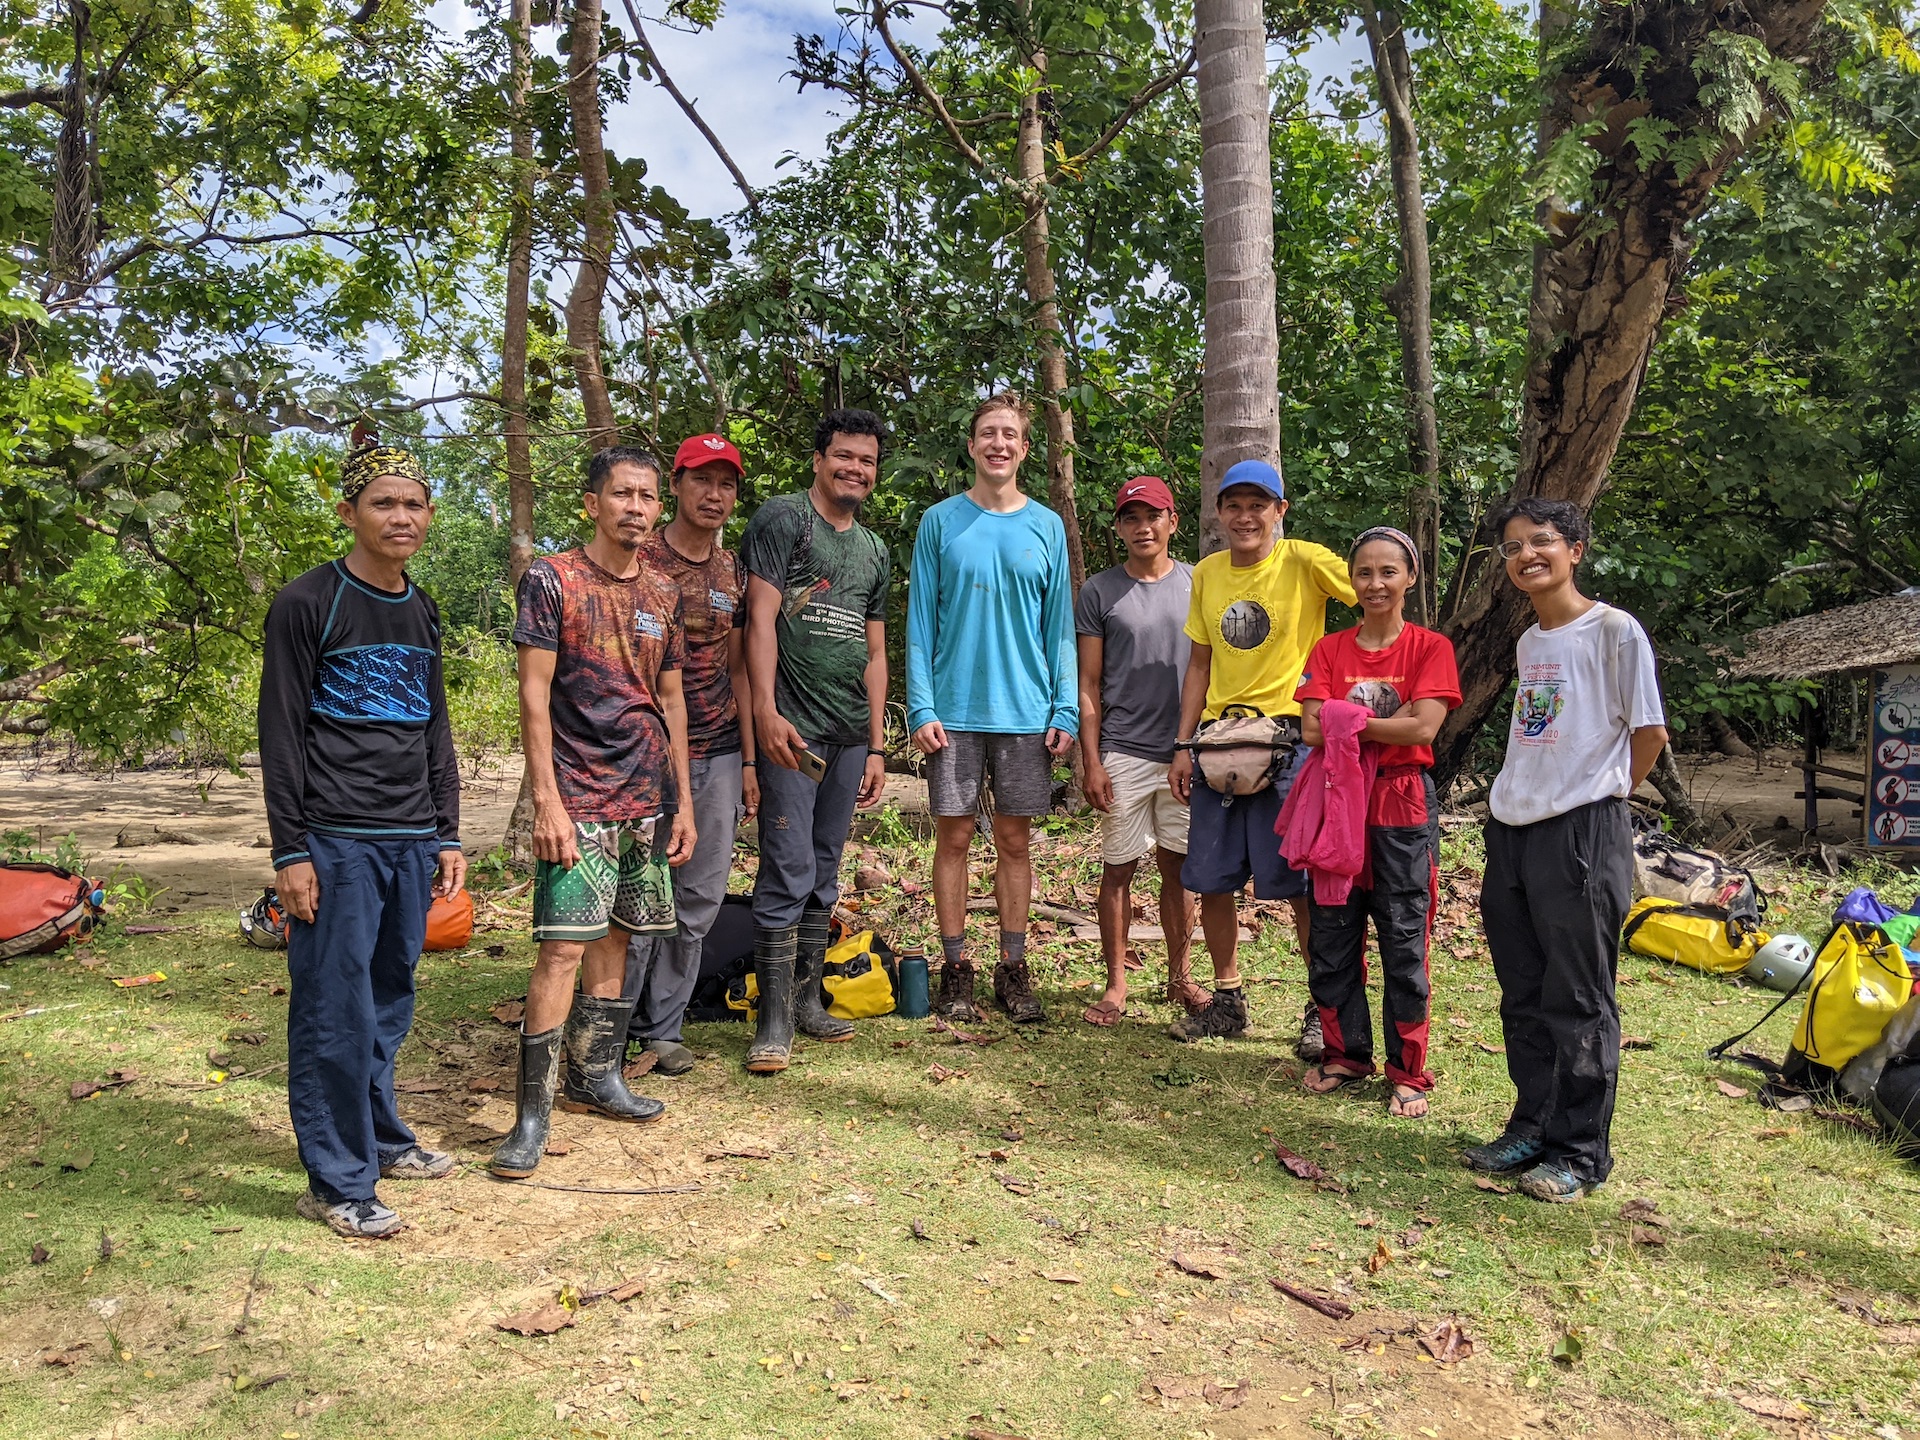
(856, 981)
(1696, 935)
(1860, 978)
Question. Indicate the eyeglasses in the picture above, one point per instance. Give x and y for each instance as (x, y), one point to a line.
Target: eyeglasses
(1545, 540)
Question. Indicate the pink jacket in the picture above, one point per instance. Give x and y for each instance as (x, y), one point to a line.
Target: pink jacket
(1323, 825)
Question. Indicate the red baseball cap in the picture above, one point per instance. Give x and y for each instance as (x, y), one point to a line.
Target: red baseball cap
(704, 450)
(1147, 490)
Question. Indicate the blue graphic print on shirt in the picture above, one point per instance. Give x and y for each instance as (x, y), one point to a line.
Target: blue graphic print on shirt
(375, 683)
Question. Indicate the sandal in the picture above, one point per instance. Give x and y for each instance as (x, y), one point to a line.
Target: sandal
(1340, 1078)
(1404, 1097)
(1103, 1013)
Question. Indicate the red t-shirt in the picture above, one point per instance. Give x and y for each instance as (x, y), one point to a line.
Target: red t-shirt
(1417, 666)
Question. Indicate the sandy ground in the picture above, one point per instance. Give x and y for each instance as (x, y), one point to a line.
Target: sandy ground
(203, 835)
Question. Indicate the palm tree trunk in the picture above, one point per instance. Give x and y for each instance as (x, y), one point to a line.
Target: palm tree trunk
(1411, 297)
(1042, 295)
(585, 301)
(1241, 383)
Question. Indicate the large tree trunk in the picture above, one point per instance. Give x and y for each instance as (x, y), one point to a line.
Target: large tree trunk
(73, 237)
(1240, 386)
(513, 363)
(1411, 298)
(1042, 294)
(1602, 282)
(596, 211)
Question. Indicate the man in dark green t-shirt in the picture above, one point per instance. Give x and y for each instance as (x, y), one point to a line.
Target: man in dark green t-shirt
(817, 667)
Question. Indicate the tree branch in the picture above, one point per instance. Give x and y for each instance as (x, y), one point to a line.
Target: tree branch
(21, 687)
(54, 97)
(928, 95)
(1134, 106)
(686, 107)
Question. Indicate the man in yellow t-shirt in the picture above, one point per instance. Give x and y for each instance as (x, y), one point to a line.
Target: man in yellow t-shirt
(1259, 607)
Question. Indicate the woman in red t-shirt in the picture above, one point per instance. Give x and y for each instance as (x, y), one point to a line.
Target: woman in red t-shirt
(1406, 676)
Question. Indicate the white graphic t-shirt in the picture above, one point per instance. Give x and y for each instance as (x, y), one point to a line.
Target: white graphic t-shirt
(1584, 689)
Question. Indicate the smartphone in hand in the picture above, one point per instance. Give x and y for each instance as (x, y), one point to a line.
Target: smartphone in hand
(811, 765)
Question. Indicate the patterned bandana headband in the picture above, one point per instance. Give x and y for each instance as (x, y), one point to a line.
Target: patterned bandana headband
(1386, 532)
(367, 463)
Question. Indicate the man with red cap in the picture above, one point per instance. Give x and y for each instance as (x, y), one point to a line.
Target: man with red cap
(1133, 651)
(687, 553)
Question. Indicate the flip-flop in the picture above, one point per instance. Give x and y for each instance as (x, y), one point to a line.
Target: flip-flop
(1341, 1078)
(1134, 960)
(1397, 1103)
(1103, 1013)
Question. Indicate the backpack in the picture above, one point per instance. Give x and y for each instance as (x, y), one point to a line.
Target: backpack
(42, 907)
(1705, 937)
(1665, 869)
(1241, 752)
(1896, 1105)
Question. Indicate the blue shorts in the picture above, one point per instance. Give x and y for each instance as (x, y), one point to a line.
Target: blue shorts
(1231, 840)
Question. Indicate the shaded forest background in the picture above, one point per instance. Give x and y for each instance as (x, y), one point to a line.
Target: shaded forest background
(211, 215)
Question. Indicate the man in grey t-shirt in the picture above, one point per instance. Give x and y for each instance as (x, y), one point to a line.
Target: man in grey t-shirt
(1133, 651)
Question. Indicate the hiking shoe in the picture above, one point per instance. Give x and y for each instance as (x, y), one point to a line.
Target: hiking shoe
(1554, 1184)
(1312, 1044)
(355, 1219)
(1225, 1016)
(1182, 992)
(1509, 1153)
(670, 1057)
(955, 1001)
(1013, 990)
(417, 1162)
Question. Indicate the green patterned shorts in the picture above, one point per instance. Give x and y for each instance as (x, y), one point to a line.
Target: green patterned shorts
(622, 877)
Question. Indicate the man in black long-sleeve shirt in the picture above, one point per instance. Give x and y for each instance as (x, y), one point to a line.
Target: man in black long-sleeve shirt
(363, 802)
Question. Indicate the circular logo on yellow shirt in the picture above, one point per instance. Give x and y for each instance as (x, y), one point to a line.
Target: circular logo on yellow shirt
(1245, 625)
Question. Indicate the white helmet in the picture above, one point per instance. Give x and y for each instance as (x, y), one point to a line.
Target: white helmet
(1782, 963)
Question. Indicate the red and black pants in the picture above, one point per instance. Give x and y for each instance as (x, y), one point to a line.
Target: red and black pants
(1397, 893)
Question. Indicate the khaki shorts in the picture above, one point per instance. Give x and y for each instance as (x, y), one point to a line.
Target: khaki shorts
(1144, 813)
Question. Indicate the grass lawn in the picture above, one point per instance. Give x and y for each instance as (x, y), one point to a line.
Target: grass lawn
(891, 1254)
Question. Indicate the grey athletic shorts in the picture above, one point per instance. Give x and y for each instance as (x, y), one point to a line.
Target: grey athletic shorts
(1017, 766)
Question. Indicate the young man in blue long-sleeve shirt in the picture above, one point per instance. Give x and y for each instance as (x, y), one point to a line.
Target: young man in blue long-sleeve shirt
(992, 690)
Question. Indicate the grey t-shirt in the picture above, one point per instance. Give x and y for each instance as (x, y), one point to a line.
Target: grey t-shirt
(1144, 655)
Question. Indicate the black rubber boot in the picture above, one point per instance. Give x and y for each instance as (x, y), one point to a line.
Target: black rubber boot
(772, 1046)
(596, 1047)
(519, 1154)
(810, 1017)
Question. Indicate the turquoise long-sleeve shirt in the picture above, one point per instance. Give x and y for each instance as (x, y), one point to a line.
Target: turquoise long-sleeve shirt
(990, 621)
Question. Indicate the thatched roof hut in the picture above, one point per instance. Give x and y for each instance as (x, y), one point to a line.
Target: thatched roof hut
(1873, 633)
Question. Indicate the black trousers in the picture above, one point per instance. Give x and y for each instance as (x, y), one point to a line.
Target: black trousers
(1553, 899)
(1404, 862)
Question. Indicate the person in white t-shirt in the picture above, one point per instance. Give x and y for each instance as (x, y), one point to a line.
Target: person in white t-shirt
(1587, 726)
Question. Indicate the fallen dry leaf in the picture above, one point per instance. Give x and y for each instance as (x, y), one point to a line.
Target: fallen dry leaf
(39, 1255)
(1644, 1210)
(1635, 1042)
(740, 1152)
(81, 1089)
(1381, 1258)
(978, 1432)
(920, 1230)
(641, 1064)
(1297, 1163)
(1060, 1277)
(1204, 1269)
(1848, 1119)
(937, 1072)
(1645, 1235)
(1771, 1134)
(418, 1087)
(1487, 1182)
(1447, 1342)
(1771, 1406)
(1230, 1398)
(510, 1012)
(483, 1084)
(547, 1320)
(1171, 1389)
(1015, 1184)
(69, 1357)
(1491, 1049)
(964, 1037)
(1731, 1090)
(624, 1291)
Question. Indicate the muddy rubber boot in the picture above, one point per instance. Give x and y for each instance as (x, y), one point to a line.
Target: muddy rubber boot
(596, 1048)
(772, 1046)
(1013, 990)
(955, 1001)
(519, 1154)
(810, 1017)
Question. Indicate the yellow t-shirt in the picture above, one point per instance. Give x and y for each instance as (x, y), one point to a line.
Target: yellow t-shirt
(1262, 621)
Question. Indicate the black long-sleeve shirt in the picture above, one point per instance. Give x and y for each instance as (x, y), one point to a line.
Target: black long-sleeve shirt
(354, 736)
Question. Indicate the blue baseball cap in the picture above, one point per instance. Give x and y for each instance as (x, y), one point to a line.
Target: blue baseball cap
(1257, 473)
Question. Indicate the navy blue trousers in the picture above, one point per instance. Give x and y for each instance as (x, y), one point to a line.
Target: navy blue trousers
(350, 1005)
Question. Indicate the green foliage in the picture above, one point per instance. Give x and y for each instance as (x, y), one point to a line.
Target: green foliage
(483, 697)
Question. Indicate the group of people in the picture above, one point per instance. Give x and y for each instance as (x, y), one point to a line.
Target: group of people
(671, 688)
